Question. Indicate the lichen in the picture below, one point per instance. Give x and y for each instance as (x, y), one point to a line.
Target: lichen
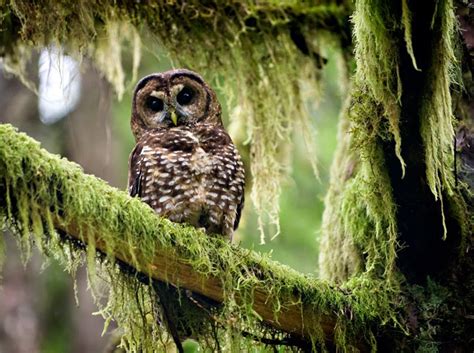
(42, 192)
(250, 44)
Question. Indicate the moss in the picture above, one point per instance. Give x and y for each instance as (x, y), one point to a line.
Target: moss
(248, 43)
(360, 233)
(377, 60)
(360, 225)
(406, 21)
(437, 128)
(359, 242)
(42, 190)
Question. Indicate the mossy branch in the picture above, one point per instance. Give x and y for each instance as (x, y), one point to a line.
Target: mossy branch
(41, 193)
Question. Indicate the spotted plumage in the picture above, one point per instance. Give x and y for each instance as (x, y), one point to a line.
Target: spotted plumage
(184, 164)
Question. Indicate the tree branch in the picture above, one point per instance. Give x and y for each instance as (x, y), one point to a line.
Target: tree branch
(39, 191)
(77, 23)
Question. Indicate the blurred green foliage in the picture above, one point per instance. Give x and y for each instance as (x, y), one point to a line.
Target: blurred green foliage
(55, 310)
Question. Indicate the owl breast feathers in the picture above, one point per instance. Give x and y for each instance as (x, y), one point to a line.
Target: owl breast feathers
(184, 164)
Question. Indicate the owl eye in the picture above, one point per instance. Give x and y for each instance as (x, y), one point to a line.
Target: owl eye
(185, 96)
(154, 104)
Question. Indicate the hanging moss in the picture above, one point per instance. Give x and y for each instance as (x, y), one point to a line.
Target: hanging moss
(41, 192)
(360, 224)
(437, 128)
(262, 50)
(378, 61)
(360, 238)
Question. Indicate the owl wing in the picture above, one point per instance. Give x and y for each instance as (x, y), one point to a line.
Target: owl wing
(135, 172)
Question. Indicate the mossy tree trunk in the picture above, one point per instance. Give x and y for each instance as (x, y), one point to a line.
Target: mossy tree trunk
(398, 223)
(397, 212)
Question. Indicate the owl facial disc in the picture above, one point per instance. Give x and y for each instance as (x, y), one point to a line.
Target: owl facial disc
(171, 99)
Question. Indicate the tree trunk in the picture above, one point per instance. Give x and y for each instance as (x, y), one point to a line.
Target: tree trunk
(395, 202)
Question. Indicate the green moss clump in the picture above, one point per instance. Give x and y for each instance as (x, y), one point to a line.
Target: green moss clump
(359, 223)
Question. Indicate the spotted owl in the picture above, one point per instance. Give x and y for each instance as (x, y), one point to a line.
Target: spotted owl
(184, 164)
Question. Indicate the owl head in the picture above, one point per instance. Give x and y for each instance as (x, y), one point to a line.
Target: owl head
(173, 98)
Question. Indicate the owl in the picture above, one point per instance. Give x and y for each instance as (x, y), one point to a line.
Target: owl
(185, 167)
(184, 164)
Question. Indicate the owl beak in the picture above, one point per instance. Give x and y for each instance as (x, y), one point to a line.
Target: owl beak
(174, 118)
